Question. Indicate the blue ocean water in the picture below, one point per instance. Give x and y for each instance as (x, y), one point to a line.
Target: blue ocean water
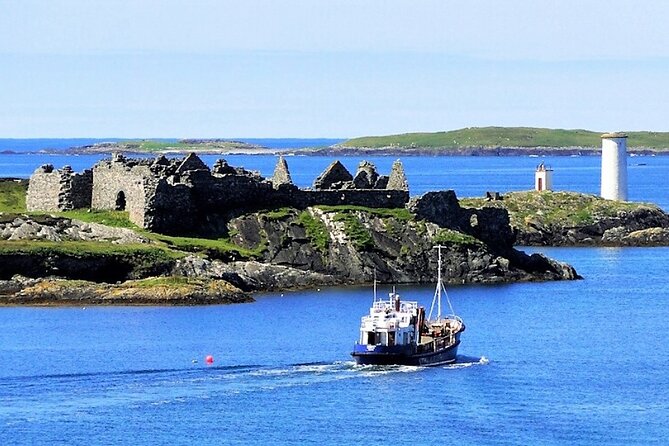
(576, 363)
(469, 176)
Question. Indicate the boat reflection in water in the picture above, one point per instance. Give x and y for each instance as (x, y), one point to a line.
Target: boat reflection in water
(397, 332)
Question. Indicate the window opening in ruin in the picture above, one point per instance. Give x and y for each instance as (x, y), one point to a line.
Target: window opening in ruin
(120, 201)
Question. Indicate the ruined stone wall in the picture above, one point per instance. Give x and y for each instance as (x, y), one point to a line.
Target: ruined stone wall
(217, 193)
(43, 190)
(372, 198)
(181, 195)
(81, 190)
(59, 190)
(117, 186)
(169, 208)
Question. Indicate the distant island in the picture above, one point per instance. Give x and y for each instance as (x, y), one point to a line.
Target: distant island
(501, 141)
(180, 146)
(471, 141)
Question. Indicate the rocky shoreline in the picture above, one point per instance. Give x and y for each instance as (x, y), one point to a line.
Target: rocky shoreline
(572, 219)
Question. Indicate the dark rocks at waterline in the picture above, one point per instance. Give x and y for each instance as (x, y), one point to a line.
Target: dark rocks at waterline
(644, 226)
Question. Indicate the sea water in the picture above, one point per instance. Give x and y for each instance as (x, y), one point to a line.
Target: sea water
(576, 362)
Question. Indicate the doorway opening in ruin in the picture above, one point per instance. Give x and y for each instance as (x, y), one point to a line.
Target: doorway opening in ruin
(120, 201)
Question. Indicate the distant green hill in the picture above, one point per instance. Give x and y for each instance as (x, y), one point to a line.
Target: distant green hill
(507, 137)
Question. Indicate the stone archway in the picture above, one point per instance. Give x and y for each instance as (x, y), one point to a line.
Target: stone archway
(120, 201)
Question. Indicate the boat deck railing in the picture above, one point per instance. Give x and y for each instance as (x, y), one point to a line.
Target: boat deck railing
(405, 306)
(430, 344)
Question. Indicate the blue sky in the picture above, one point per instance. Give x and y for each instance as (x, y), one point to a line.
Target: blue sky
(328, 68)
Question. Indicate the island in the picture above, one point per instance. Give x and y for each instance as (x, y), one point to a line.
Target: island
(140, 231)
(497, 141)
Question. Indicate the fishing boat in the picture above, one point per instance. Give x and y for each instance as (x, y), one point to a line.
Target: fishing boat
(397, 331)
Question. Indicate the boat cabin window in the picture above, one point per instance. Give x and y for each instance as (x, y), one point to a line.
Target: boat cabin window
(391, 338)
(371, 338)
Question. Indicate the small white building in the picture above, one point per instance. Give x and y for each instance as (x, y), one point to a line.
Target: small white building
(614, 166)
(543, 178)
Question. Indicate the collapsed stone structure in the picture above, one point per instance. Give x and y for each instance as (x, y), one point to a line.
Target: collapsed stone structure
(181, 196)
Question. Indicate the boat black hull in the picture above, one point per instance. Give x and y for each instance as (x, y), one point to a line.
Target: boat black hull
(444, 356)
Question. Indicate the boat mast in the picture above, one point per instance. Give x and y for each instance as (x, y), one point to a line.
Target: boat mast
(437, 292)
(439, 285)
(374, 285)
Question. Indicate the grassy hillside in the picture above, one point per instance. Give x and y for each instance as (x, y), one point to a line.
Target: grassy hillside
(507, 137)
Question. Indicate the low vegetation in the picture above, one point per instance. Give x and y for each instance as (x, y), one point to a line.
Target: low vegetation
(316, 231)
(13, 196)
(401, 214)
(279, 214)
(117, 219)
(222, 248)
(507, 137)
(449, 236)
(563, 209)
(355, 231)
(142, 259)
(149, 145)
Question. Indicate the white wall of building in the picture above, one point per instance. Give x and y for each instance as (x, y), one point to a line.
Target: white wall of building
(543, 179)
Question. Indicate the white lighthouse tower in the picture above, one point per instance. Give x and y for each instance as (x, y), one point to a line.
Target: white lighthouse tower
(614, 166)
(543, 178)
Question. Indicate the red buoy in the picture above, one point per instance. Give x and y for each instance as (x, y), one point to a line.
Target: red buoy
(209, 359)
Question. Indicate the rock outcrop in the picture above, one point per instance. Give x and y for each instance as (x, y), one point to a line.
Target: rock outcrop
(58, 229)
(643, 226)
(154, 291)
(399, 250)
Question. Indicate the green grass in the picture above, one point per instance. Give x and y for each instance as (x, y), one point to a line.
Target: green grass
(118, 219)
(215, 248)
(278, 214)
(82, 248)
(449, 236)
(148, 145)
(555, 208)
(507, 137)
(143, 258)
(169, 281)
(13, 196)
(145, 145)
(401, 214)
(355, 231)
(316, 231)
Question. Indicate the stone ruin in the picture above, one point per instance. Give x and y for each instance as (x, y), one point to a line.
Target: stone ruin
(59, 189)
(180, 196)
